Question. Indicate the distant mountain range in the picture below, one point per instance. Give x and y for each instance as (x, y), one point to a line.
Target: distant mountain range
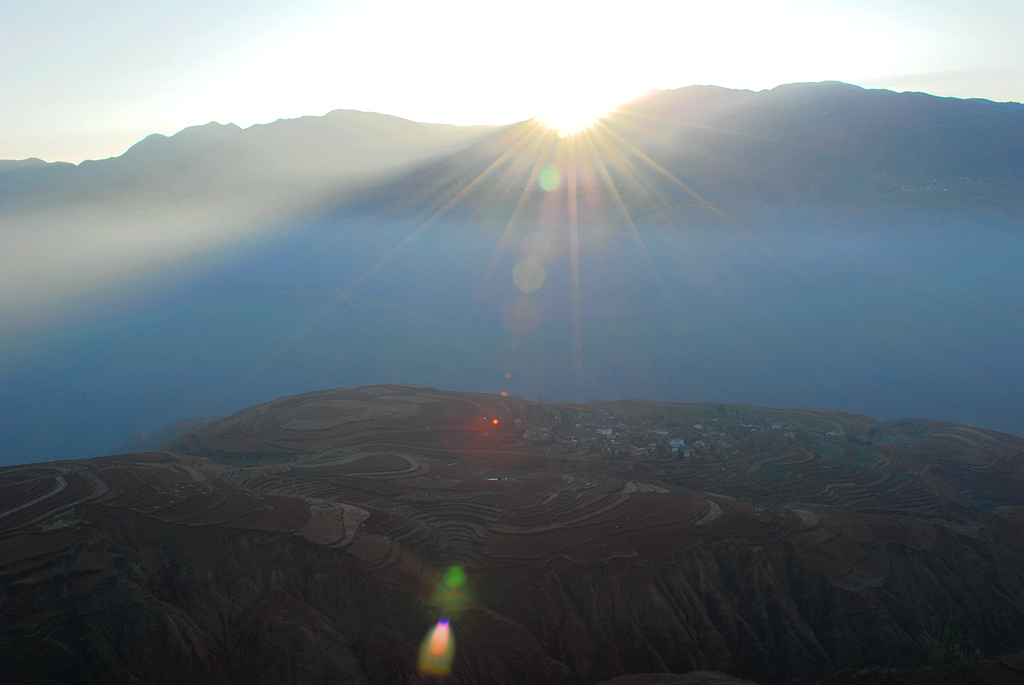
(789, 146)
(797, 147)
(201, 161)
(815, 244)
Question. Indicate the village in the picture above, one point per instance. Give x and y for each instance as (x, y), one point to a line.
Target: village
(610, 432)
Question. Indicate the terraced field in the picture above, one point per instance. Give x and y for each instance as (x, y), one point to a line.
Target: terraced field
(401, 482)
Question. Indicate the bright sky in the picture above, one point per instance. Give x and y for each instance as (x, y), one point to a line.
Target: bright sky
(85, 79)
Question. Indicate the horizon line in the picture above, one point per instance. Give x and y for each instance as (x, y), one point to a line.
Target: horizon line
(484, 125)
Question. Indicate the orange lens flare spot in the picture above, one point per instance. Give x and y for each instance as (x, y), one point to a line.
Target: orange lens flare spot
(495, 422)
(504, 394)
(437, 651)
(439, 638)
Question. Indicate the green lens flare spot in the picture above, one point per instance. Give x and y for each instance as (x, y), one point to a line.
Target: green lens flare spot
(454, 578)
(549, 178)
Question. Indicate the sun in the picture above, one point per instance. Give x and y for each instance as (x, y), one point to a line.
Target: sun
(570, 118)
(574, 107)
(568, 110)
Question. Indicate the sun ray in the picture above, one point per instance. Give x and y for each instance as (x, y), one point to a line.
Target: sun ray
(665, 172)
(383, 261)
(624, 163)
(574, 267)
(524, 197)
(454, 175)
(629, 113)
(636, 175)
(711, 129)
(579, 147)
(375, 269)
(602, 170)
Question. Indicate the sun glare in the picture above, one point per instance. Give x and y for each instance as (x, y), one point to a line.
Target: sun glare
(573, 113)
(569, 120)
(574, 107)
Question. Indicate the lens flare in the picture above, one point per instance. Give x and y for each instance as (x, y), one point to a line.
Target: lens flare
(549, 178)
(455, 577)
(440, 638)
(437, 651)
(528, 275)
(451, 595)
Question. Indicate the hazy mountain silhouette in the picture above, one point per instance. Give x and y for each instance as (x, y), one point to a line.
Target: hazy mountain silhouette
(792, 145)
(816, 244)
(288, 155)
(753, 154)
(804, 143)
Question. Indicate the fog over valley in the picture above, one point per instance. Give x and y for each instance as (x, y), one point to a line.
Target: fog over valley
(816, 245)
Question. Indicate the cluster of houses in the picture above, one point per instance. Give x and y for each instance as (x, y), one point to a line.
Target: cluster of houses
(614, 434)
(728, 436)
(611, 434)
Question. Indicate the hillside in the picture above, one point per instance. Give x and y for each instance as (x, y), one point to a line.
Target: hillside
(306, 538)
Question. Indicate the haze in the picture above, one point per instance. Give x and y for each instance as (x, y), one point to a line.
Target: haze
(549, 342)
(814, 243)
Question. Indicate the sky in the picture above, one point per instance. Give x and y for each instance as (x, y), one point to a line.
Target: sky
(86, 79)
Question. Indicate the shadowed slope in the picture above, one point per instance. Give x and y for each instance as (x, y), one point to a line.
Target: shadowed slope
(305, 539)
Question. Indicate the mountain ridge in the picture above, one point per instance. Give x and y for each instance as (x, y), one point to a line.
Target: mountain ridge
(869, 111)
